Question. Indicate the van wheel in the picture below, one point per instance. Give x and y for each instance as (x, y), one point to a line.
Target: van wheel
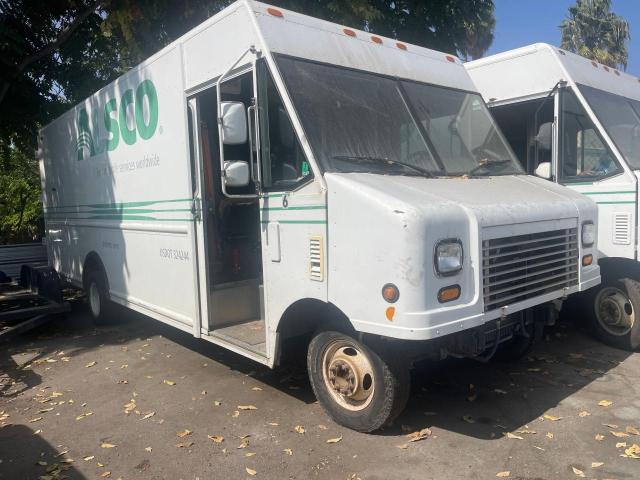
(356, 386)
(98, 298)
(614, 312)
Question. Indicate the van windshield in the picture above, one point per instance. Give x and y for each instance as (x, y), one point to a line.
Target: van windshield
(620, 117)
(361, 122)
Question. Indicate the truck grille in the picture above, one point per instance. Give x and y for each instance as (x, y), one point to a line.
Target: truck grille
(527, 266)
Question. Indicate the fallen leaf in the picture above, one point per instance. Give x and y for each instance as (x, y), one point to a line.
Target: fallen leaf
(322, 427)
(605, 403)
(217, 403)
(549, 435)
(583, 414)
(37, 419)
(249, 454)
(621, 445)
(288, 451)
(243, 444)
(619, 434)
(247, 407)
(273, 424)
(632, 452)
(42, 464)
(184, 444)
(516, 437)
(250, 471)
(551, 418)
(148, 449)
(256, 389)
(419, 435)
(578, 472)
(216, 438)
(334, 440)
(300, 429)
(108, 445)
(184, 433)
(596, 464)
(87, 414)
(235, 414)
(526, 430)
(90, 457)
(468, 419)
(169, 382)
(503, 474)
(632, 430)
(148, 415)
(404, 446)
(106, 474)
(501, 392)
(90, 364)
(610, 425)
(599, 437)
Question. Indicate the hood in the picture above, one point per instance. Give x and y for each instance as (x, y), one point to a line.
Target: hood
(493, 201)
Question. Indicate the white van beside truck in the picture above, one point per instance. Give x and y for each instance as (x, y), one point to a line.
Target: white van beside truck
(271, 176)
(577, 123)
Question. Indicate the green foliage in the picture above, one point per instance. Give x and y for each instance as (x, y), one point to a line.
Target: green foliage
(595, 32)
(20, 207)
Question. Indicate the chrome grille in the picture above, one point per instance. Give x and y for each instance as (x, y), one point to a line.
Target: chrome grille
(527, 266)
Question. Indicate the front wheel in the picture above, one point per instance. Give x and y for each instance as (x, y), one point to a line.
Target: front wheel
(356, 386)
(98, 298)
(615, 307)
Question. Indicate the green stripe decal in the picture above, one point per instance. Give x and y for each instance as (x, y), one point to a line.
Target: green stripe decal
(607, 193)
(616, 203)
(124, 204)
(125, 217)
(118, 211)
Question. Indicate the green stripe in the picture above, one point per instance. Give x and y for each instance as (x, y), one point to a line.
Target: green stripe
(297, 222)
(577, 184)
(128, 217)
(124, 204)
(117, 211)
(303, 207)
(607, 193)
(615, 203)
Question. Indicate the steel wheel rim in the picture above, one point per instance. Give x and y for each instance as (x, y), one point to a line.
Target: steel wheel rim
(94, 299)
(614, 311)
(348, 375)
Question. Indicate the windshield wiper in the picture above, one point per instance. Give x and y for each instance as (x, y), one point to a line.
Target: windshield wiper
(487, 163)
(426, 173)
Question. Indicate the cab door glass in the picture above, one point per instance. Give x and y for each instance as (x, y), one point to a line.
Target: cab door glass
(583, 153)
(284, 164)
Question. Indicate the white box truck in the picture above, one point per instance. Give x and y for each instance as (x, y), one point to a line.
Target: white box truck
(577, 123)
(271, 176)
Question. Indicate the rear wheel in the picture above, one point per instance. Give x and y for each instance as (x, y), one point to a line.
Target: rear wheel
(355, 385)
(614, 312)
(98, 298)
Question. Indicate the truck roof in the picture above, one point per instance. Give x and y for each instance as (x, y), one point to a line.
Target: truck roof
(211, 47)
(534, 70)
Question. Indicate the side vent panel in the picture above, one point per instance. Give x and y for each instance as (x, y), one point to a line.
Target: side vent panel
(622, 228)
(316, 259)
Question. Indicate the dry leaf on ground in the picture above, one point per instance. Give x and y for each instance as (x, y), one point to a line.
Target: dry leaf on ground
(503, 474)
(515, 437)
(169, 382)
(334, 440)
(419, 435)
(596, 464)
(108, 445)
(250, 471)
(619, 434)
(184, 433)
(632, 430)
(288, 451)
(583, 414)
(578, 472)
(605, 403)
(90, 364)
(247, 407)
(599, 437)
(216, 438)
(551, 418)
(300, 429)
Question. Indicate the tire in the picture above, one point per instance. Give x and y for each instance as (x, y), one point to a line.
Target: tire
(614, 312)
(100, 307)
(378, 388)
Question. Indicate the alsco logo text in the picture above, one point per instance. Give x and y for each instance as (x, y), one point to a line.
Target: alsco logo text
(135, 116)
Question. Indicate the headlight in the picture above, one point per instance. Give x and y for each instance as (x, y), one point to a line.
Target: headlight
(588, 234)
(448, 257)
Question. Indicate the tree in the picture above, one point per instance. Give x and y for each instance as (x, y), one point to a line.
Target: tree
(595, 32)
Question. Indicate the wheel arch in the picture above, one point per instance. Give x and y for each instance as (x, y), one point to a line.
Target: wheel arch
(620, 266)
(307, 315)
(93, 263)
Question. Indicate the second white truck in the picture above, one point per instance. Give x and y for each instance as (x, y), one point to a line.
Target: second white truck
(271, 177)
(577, 123)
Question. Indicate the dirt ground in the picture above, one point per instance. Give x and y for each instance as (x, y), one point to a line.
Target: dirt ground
(140, 400)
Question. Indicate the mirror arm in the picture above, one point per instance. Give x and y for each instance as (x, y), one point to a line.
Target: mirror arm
(252, 49)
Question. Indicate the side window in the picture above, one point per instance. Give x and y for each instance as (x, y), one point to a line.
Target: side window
(583, 153)
(284, 164)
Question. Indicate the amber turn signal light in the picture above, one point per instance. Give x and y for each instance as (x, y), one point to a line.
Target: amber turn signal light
(390, 293)
(587, 260)
(447, 294)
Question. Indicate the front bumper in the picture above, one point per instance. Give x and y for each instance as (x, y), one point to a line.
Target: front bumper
(446, 321)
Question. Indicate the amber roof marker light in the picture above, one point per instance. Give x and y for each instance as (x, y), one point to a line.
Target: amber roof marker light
(401, 46)
(349, 32)
(275, 12)
(377, 40)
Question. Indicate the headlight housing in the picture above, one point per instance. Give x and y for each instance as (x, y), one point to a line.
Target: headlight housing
(588, 234)
(448, 257)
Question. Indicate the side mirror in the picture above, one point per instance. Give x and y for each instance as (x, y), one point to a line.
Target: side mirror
(236, 173)
(234, 123)
(544, 170)
(544, 136)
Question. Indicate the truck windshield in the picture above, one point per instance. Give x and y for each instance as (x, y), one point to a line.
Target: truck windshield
(620, 117)
(361, 122)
